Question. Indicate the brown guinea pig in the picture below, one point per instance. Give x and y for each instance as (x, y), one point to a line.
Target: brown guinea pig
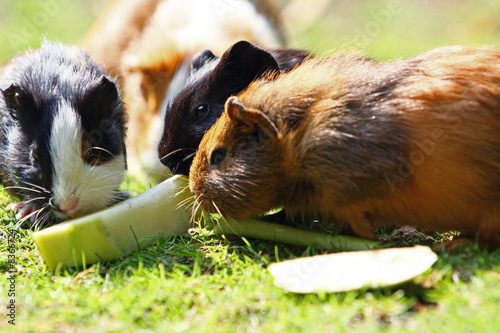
(365, 143)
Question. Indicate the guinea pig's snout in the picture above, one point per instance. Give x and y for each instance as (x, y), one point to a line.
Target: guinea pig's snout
(68, 206)
(197, 190)
(194, 188)
(202, 197)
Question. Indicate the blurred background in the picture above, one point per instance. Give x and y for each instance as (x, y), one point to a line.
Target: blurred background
(389, 29)
(383, 29)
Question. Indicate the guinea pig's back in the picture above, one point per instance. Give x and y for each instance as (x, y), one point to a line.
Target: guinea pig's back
(445, 173)
(414, 141)
(453, 105)
(7, 71)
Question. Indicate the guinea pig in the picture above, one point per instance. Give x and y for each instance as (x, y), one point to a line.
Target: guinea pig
(369, 144)
(62, 133)
(149, 45)
(201, 102)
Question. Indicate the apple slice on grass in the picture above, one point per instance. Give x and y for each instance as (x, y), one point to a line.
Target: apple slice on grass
(118, 230)
(352, 270)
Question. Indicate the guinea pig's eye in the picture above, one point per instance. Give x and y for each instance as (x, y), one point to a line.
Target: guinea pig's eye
(217, 156)
(201, 110)
(97, 155)
(34, 153)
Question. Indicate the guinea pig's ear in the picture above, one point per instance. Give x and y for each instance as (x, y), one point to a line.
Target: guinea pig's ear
(249, 118)
(242, 63)
(200, 59)
(101, 96)
(20, 104)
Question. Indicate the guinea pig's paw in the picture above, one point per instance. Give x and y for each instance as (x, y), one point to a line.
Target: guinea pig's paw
(22, 209)
(12, 206)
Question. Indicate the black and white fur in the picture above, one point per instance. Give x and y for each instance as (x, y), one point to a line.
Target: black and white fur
(62, 133)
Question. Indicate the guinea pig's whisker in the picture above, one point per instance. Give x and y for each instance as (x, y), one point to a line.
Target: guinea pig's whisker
(51, 204)
(21, 188)
(97, 179)
(242, 187)
(101, 149)
(39, 223)
(194, 211)
(18, 224)
(188, 157)
(237, 190)
(34, 213)
(98, 191)
(223, 218)
(43, 189)
(176, 168)
(196, 200)
(104, 195)
(174, 152)
(217, 209)
(190, 204)
(109, 186)
(39, 212)
(43, 220)
(101, 188)
(185, 203)
(185, 188)
(196, 206)
(34, 199)
(248, 182)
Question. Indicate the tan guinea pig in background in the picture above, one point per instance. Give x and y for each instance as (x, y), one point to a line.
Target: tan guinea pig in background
(149, 45)
(370, 144)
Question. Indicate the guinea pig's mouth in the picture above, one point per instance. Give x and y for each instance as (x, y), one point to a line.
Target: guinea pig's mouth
(206, 202)
(214, 207)
(212, 204)
(46, 214)
(62, 216)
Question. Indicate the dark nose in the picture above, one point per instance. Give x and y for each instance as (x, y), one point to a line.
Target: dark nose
(179, 162)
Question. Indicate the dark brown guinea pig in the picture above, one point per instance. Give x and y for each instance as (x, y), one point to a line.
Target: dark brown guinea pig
(201, 102)
(410, 142)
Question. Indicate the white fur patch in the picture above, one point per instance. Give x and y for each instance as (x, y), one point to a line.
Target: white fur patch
(200, 24)
(149, 156)
(92, 185)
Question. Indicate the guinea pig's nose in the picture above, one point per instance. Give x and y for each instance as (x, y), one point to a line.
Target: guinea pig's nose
(179, 162)
(70, 204)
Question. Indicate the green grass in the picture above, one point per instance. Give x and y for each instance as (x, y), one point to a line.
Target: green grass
(205, 282)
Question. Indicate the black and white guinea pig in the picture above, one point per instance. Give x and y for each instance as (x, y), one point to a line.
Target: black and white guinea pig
(62, 133)
(212, 81)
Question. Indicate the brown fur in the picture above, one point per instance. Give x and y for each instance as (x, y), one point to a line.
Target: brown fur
(121, 22)
(410, 142)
